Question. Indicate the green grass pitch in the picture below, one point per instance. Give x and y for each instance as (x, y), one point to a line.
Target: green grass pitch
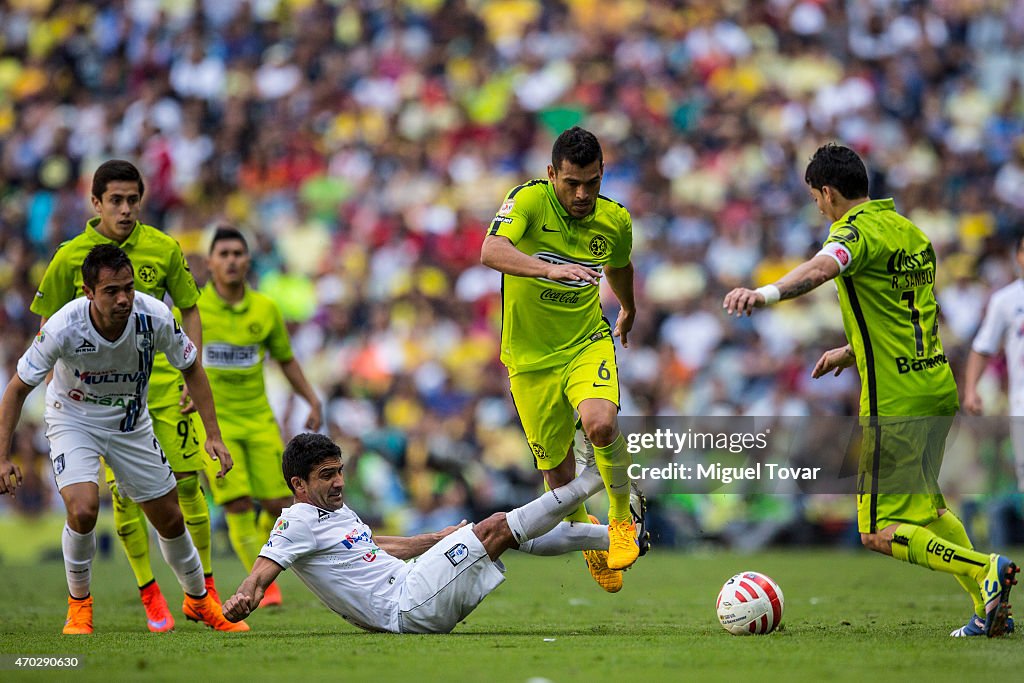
(850, 616)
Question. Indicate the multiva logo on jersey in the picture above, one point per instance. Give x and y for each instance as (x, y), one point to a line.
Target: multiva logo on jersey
(109, 377)
(560, 297)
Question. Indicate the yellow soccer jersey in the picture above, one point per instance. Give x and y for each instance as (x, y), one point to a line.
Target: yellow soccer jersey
(544, 322)
(160, 267)
(235, 339)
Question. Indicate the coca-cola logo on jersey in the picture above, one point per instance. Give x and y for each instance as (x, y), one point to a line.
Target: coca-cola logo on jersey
(559, 297)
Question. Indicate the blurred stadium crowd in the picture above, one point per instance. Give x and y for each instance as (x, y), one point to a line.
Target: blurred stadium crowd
(366, 144)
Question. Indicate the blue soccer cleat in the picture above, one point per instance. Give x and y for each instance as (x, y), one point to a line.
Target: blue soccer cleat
(1001, 577)
(976, 627)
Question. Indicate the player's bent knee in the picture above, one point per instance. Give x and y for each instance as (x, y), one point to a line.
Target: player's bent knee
(82, 515)
(601, 431)
(495, 534)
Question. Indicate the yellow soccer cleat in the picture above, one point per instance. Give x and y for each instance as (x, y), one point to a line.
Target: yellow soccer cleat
(79, 621)
(208, 611)
(622, 547)
(597, 562)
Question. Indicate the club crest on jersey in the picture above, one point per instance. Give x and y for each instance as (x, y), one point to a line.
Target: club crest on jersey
(147, 274)
(538, 451)
(457, 553)
(599, 246)
(506, 207)
(144, 340)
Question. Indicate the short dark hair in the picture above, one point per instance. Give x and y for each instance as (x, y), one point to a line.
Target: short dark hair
(228, 232)
(104, 256)
(112, 171)
(838, 167)
(577, 146)
(303, 453)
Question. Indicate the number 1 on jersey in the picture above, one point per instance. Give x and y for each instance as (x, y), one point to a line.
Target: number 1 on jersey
(915, 320)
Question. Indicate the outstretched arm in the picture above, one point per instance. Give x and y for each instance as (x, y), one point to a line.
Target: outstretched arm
(247, 598)
(797, 282)
(408, 547)
(293, 373)
(500, 254)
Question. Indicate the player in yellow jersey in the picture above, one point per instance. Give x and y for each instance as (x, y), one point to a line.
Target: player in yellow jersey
(884, 267)
(551, 240)
(240, 326)
(160, 268)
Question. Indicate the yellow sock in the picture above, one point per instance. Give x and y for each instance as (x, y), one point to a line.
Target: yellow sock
(918, 545)
(613, 462)
(130, 523)
(949, 527)
(197, 517)
(245, 539)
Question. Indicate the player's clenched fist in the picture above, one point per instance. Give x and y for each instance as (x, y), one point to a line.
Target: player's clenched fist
(237, 607)
(10, 477)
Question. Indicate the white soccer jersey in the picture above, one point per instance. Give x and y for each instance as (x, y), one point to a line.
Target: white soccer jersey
(1003, 326)
(103, 383)
(334, 554)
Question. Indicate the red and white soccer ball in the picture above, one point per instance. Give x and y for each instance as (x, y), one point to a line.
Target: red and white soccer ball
(750, 603)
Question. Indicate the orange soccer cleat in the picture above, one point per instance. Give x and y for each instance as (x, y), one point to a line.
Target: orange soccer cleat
(158, 616)
(79, 621)
(208, 611)
(272, 596)
(211, 588)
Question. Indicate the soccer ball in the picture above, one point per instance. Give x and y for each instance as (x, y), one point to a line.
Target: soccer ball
(750, 603)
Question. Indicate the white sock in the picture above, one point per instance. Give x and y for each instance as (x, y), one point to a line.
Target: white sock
(79, 550)
(540, 515)
(182, 557)
(567, 537)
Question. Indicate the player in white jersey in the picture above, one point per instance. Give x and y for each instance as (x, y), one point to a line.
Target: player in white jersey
(364, 578)
(100, 349)
(1002, 327)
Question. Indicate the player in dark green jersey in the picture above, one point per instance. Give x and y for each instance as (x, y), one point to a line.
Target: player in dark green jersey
(160, 268)
(241, 327)
(886, 268)
(551, 240)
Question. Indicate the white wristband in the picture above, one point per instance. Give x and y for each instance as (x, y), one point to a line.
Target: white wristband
(770, 293)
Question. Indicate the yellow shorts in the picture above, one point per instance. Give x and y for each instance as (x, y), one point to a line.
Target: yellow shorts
(899, 470)
(257, 465)
(547, 399)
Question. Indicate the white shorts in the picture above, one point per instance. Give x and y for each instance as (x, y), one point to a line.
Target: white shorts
(135, 457)
(446, 583)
